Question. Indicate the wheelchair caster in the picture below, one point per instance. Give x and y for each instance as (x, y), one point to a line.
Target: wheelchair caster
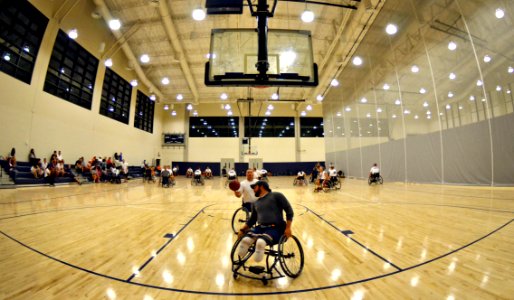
(264, 281)
(234, 275)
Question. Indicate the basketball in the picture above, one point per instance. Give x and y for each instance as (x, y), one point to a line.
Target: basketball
(234, 185)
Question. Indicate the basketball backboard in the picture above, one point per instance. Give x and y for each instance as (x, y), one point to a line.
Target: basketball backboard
(233, 57)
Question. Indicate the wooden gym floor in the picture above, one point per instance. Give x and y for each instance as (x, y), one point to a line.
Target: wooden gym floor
(105, 241)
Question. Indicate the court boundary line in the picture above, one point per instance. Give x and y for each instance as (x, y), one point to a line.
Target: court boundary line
(354, 240)
(263, 293)
(166, 244)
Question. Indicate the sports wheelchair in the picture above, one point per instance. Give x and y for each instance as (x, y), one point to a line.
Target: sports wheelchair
(239, 218)
(197, 180)
(328, 185)
(288, 253)
(208, 175)
(168, 181)
(300, 181)
(375, 178)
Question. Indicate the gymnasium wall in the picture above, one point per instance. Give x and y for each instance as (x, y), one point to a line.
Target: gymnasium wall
(436, 104)
(32, 118)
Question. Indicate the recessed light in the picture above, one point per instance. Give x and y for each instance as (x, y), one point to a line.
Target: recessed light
(133, 82)
(425, 104)
(227, 107)
(452, 76)
(452, 45)
(166, 107)
(364, 100)
(391, 29)
(268, 113)
(270, 107)
(450, 94)
(487, 58)
(319, 98)
(479, 82)
(165, 81)
(173, 113)
(498, 88)
(397, 102)
(180, 97)
(348, 108)
(471, 98)
(303, 113)
(422, 91)
(379, 110)
(153, 97)
(334, 82)
(414, 69)
(189, 107)
(309, 107)
(386, 86)
(448, 106)
(223, 96)
(274, 96)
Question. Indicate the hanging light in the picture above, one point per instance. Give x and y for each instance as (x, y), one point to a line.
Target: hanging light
(108, 62)
(144, 58)
(198, 14)
(391, 29)
(115, 24)
(73, 34)
(307, 16)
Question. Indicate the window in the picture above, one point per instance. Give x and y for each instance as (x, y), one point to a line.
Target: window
(269, 127)
(116, 93)
(71, 72)
(22, 28)
(311, 127)
(213, 127)
(144, 112)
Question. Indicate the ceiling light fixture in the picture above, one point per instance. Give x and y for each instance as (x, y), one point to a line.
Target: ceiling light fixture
(144, 58)
(364, 100)
(165, 81)
(198, 14)
(422, 91)
(348, 108)
(487, 58)
(73, 34)
(334, 82)
(499, 13)
(357, 61)
(397, 102)
(391, 29)
(173, 113)
(166, 107)
(414, 69)
(180, 97)
(309, 107)
(319, 98)
(134, 82)
(108, 62)
(303, 113)
(153, 97)
(452, 46)
(274, 96)
(115, 24)
(189, 107)
(386, 86)
(223, 96)
(452, 76)
(307, 16)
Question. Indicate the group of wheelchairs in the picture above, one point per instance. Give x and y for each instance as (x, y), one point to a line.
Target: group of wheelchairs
(333, 183)
(284, 258)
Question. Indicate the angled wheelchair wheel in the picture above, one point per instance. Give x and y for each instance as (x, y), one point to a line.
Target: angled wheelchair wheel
(337, 185)
(326, 186)
(380, 180)
(290, 255)
(239, 218)
(236, 260)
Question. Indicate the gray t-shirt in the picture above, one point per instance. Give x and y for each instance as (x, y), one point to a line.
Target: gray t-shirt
(268, 210)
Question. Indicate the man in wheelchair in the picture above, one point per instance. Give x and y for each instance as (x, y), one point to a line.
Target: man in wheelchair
(374, 173)
(300, 178)
(263, 175)
(197, 177)
(208, 173)
(267, 214)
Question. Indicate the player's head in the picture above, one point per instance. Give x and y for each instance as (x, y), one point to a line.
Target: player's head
(259, 187)
(375, 164)
(249, 174)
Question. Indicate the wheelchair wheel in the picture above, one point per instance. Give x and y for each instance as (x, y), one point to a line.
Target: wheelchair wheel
(290, 255)
(295, 182)
(337, 185)
(239, 218)
(380, 180)
(236, 260)
(326, 186)
(370, 181)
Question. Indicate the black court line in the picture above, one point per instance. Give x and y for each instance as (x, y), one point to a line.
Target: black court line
(263, 293)
(165, 245)
(355, 241)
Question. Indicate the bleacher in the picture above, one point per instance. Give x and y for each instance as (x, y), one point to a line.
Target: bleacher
(23, 176)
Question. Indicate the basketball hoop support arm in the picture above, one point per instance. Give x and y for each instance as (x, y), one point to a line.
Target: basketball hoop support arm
(262, 15)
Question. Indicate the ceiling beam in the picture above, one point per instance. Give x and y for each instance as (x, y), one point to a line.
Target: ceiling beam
(171, 31)
(106, 14)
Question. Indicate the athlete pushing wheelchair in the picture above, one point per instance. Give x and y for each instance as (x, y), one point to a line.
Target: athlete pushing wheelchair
(264, 230)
